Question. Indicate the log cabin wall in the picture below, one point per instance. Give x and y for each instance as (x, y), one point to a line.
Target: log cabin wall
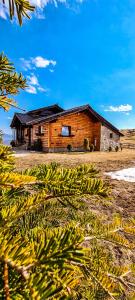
(26, 138)
(44, 136)
(82, 126)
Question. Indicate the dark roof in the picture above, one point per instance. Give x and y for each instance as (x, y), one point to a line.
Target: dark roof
(86, 107)
(52, 108)
(60, 114)
(31, 120)
(24, 118)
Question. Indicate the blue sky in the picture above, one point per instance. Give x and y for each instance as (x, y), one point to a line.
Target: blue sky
(74, 53)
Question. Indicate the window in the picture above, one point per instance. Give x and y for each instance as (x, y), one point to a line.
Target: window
(66, 131)
(111, 135)
(40, 130)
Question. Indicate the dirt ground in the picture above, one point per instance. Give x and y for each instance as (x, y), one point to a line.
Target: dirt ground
(108, 160)
(123, 192)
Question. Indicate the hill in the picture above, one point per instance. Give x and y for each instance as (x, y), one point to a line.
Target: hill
(129, 137)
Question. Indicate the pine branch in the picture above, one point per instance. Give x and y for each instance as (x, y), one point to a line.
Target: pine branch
(48, 263)
(6, 103)
(18, 8)
(10, 81)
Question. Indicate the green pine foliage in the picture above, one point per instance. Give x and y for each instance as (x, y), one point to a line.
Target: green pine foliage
(10, 82)
(52, 245)
(18, 9)
(6, 158)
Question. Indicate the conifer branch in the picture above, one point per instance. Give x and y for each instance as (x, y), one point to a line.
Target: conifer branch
(11, 104)
(45, 254)
(18, 8)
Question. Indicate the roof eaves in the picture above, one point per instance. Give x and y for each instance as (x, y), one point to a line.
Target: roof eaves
(18, 116)
(104, 121)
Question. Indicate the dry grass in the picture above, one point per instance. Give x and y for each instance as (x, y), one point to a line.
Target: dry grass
(71, 159)
(123, 192)
(129, 136)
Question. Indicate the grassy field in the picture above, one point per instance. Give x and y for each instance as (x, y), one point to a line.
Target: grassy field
(122, 192)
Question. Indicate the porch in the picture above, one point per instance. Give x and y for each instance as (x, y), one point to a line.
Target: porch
(22, 136)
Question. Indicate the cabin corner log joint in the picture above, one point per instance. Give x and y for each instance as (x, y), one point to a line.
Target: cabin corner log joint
(57, 128)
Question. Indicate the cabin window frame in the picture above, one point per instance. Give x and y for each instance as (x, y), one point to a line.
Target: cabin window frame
(39, 130)
(68, 133)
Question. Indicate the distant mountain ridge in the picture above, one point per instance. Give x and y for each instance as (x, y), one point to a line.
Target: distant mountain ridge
(128, 132)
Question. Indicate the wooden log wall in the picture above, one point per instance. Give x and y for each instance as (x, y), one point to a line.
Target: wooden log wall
(82, 126)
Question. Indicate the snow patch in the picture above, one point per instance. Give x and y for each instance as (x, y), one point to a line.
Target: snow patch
(125, 174)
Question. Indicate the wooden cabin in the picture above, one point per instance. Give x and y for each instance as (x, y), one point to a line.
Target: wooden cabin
(55, 129)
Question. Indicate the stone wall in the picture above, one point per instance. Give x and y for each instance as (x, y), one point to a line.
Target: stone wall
(108, 139)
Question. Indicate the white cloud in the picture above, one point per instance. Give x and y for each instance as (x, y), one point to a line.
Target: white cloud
(26, 64)
(42, 3)
(32, 79)
(31, 64)
(41, 62)
(31, 89)
(41, 89)
(33, 85)
(37, 62)
(121, 108)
